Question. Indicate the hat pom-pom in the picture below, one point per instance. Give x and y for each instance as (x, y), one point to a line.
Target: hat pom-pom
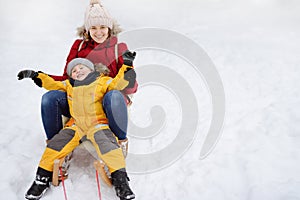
(92, 2)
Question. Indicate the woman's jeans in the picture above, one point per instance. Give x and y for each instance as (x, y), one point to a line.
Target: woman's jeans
(55, 104)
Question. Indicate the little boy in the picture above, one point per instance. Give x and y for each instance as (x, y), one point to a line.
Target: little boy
(85, 90)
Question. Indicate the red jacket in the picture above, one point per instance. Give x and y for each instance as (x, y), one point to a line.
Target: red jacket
(98, 53)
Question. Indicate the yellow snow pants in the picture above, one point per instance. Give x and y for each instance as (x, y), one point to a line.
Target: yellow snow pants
(68, 139)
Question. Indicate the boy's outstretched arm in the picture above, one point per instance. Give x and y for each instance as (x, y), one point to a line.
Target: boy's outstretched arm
(126, 76)
(42, 80)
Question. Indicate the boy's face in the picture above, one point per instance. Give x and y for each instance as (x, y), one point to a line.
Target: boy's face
(80, 72)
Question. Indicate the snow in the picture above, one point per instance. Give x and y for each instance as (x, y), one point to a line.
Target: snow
(255, 48)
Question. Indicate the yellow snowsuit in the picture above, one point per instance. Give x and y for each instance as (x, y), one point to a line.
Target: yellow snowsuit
(85, 101)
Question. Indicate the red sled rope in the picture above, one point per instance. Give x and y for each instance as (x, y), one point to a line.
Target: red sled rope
(63, 183)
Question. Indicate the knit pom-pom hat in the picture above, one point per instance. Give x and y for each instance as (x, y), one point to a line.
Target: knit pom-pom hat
(96, 14)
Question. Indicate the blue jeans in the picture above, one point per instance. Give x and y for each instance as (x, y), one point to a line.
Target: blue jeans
(54, 105)
(115, 109)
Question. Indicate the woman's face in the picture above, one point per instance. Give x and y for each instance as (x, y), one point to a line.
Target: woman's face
(99, 33)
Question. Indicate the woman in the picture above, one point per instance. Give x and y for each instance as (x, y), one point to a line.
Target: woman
(100, 45)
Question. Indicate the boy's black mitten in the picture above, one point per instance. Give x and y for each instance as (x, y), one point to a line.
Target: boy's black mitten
(27, 74)
(30, 74)
(128, 57)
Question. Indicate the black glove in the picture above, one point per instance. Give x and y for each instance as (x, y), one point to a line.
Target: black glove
(27, 74)
(128, 57)
(30, 74)
(130, 76)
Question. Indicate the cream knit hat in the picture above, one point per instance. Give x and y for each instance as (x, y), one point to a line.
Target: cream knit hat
(95, 15)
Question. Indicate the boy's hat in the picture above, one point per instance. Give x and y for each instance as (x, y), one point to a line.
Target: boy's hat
(95, 15)
(78, 61)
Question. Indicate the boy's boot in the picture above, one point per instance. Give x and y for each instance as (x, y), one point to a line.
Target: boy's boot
(124, 146)
(120, 182)
(39, 185)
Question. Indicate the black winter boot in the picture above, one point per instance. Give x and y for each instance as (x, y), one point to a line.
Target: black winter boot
(39, 185)
(120, 182)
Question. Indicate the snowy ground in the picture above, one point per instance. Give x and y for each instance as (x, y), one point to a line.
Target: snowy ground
(255, 48)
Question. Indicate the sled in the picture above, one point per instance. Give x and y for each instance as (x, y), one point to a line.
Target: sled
(103, 172)
(61, 166)
(60, 169)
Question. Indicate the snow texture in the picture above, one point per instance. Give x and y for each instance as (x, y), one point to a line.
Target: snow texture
(255, 47)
